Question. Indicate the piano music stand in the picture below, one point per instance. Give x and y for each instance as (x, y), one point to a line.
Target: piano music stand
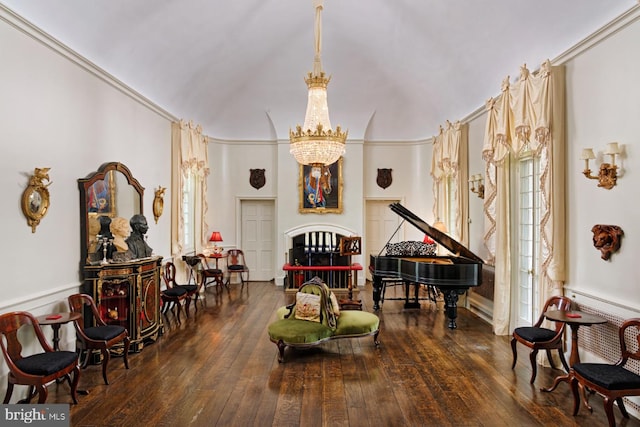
(350, 246)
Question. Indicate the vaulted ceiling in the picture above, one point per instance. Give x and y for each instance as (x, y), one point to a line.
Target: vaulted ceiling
(399, 68)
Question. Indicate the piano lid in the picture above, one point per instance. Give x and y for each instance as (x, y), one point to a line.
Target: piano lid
(452, 245)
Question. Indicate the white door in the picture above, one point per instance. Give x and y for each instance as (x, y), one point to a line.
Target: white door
(257, 238)
(381, 222)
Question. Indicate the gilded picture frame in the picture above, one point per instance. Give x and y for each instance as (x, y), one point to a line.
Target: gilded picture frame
(320, 191)
(101, 196)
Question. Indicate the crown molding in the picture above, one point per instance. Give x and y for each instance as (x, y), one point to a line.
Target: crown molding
(27, 28)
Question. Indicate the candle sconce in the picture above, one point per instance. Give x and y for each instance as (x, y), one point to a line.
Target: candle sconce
(477, 185)
(608, 174)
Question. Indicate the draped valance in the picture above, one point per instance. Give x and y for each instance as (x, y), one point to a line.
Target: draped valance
(521, 107)
(446, 151)
(449, 172)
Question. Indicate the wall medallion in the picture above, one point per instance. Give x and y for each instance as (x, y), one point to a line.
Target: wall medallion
(607, 239)
(257, 178)
(384, 178)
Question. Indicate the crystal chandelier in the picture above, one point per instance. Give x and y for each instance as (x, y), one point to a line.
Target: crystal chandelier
(316, 143)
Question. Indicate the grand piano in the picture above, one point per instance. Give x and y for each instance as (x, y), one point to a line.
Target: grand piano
(453, 275)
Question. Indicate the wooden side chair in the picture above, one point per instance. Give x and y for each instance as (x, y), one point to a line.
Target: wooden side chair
(208, 274)
(538, 338)
(36, 370)
(172, 296)
(101, 337)
(236, 264)
(192, 291)
(612, 381)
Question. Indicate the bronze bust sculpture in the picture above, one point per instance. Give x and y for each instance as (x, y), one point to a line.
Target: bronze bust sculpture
(137, 245)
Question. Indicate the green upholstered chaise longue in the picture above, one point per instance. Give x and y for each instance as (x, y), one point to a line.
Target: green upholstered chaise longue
(305, 323)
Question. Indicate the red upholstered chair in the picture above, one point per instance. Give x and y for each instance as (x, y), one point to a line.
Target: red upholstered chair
(612, 381)
(101, 337)
(538, 338)
(236, 264)
(35, 370)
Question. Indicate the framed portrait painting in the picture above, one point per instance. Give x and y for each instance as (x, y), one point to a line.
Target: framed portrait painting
(101, 196)
(320, 188)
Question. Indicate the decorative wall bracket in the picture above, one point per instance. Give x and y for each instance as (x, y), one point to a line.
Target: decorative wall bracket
(35, 198)
(158, 203)
(607, 239)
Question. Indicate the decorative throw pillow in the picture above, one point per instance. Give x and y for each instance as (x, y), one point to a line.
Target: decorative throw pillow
(334, 304)
(308, 307)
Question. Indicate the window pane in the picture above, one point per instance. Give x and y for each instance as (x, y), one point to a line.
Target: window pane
(528, 236)
(188, 204)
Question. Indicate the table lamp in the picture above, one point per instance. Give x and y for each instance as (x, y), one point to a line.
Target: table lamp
(215, 238)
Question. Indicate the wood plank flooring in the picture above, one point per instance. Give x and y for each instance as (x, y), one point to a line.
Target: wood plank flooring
(218, 368)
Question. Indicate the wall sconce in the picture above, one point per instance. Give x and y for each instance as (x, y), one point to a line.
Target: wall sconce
(608, 173)
(158, 202)
(477, 180)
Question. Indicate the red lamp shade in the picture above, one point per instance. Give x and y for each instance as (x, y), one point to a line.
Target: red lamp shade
(427, 239)
(215, 237)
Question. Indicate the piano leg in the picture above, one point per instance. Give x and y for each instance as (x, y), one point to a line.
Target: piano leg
(377, 290)
(407, 290)
(451, 300)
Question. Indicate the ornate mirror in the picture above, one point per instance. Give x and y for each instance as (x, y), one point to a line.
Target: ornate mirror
(111, 191)
(35, 198)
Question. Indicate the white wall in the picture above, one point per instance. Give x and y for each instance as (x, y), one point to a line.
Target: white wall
(603, 105)
(60, 112)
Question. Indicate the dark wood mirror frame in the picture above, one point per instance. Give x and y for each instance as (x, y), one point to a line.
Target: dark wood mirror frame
(105, 173)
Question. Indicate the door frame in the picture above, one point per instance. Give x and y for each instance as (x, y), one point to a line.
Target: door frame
(238, 222)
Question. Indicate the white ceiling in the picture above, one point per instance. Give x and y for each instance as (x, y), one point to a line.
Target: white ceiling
(399, 68)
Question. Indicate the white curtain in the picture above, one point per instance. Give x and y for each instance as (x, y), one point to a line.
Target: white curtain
(449, 164)
(189, 158)
(527, 115)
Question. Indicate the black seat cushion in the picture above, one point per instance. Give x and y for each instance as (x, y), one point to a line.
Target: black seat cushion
(212, 271)
(103, 333)
(46, 363)
(174, 292)
(189, 288)
(611, 377)
(533, 334)
(236, 267)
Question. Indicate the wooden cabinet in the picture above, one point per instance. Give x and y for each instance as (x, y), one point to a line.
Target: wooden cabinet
(128, 294)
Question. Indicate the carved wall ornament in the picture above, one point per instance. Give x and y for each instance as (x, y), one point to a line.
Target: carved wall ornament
(607, 239)
(35, 198)
(384, 178)
(158, 203)
(257, 178)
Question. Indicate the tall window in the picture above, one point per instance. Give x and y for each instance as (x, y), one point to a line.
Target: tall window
(527, 232)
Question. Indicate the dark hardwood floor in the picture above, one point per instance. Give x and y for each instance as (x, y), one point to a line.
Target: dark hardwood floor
(218, 368)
